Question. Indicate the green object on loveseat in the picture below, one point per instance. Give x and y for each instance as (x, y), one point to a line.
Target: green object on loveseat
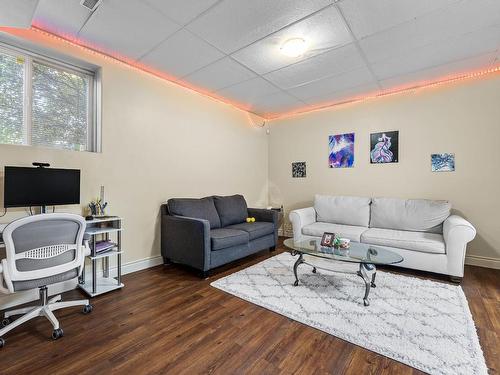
(209, 232)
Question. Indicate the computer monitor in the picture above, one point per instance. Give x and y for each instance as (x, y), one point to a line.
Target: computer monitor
(27, 186)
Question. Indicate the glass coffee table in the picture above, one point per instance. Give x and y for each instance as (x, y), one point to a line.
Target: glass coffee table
(367, 256)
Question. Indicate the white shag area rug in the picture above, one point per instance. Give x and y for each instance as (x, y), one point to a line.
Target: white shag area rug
(422, 323)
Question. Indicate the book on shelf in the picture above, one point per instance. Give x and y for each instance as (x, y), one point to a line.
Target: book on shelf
(102, 246)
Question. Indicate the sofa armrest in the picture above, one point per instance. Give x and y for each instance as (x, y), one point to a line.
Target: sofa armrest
(270, 216)
(186, 240)
(261, 214)
(300, 218)
(457, 233)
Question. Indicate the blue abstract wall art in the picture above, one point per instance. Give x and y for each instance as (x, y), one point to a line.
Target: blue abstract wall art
(341, 150)
(384, 147)
(443, 162)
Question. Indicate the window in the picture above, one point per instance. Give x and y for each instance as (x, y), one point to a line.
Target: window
(46, 103)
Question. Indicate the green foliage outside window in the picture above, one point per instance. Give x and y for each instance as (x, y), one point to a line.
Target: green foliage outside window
(59, 113)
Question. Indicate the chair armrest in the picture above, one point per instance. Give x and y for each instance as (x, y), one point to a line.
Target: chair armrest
(300, 218)
(186, 240)
(86, 248)
(3, 288)
(261, 214)
(457, 232)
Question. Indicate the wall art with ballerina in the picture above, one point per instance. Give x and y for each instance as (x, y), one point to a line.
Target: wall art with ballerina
(384, 147)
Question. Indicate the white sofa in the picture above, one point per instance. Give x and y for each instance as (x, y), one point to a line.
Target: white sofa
(422, 231)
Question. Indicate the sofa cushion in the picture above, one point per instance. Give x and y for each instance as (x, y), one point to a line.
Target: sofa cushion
(346, 231)
(232, 209)
(343, 210)
(418, 241)
(420, 215)
(203, 208)
(255, 230)
(223, 238)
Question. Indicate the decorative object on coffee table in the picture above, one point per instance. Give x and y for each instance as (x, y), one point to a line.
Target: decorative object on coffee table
(328, 239)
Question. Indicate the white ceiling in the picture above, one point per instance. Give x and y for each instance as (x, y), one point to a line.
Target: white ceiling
(231, 47)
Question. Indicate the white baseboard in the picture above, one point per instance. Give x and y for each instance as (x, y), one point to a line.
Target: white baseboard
(142, 264)
(476, 260)
(10, 300)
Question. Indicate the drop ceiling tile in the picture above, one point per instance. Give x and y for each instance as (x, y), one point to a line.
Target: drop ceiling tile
(343, 95)
(233, 24)
(441, 71)
(465, 17)
(61, 17)
(276, 103)
(337, 61)
(16, 13)
(322, 31)
(127, 27)
(354, 78)
(181, 54)
(222, 73)
(181, 11)
(458, 48)
(249, 91)
(369, 17)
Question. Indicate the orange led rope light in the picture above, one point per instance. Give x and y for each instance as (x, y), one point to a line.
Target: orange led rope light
(75, 42)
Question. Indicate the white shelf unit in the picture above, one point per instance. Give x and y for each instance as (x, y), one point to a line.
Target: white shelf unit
(102, 229)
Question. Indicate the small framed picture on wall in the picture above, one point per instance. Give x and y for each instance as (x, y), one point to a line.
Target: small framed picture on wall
(299, 169)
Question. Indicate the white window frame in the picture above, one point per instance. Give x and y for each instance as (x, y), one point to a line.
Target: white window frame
(93, 94)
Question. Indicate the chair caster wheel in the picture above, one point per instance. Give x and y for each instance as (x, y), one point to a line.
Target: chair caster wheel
(6, 322)
(366, 302)
(296, 283)
(57, 334)
(373, 285)
(314, 270)
(2, 342)
(87, 309)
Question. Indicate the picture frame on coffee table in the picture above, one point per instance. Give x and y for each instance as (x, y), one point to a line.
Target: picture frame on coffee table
(328, 239)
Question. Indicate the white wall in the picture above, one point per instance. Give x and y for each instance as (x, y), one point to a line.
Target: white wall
(159, 141)
(461, 118)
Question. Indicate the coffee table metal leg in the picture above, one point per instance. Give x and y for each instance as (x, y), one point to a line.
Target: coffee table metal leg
(295, 266)
(366, 301)
(363, 268)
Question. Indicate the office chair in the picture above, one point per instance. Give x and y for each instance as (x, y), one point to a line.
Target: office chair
(42, 250)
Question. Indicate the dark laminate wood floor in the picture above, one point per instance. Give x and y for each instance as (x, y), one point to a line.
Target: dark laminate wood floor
(168, 321)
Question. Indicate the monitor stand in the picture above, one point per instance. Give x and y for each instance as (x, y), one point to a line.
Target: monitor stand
(43, 209)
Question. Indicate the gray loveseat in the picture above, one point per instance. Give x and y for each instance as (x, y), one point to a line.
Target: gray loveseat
(208, 232)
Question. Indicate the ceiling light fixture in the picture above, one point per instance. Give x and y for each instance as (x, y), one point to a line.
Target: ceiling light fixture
(294, 47)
